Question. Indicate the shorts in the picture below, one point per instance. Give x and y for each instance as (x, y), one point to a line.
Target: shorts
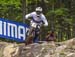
(33, 24)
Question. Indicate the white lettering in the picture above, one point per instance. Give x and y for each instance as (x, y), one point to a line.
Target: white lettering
(13, 29)
(1, 27)
(4, 28)
(21, 32)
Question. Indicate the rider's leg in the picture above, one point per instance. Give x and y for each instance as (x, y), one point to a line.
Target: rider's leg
(30, 37)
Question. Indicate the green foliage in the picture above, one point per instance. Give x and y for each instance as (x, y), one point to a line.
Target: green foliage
(10, 9)
(61, 21)
(59, 11)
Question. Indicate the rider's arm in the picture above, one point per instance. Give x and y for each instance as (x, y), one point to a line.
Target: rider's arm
(44, 20)
(29, 16)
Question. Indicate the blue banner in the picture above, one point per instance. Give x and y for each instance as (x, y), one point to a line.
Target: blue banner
(13, 30)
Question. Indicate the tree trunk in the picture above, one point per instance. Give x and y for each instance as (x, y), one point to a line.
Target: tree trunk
(23, 9)
(73, 15)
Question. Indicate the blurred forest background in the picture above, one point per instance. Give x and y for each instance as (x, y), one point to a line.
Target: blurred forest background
(59, 13)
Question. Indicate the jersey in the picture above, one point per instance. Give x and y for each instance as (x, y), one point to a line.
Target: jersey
(37, 19)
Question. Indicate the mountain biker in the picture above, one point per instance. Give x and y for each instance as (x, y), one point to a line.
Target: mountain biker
(38, 18)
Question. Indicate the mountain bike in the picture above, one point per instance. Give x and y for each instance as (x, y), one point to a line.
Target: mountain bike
(33, 36)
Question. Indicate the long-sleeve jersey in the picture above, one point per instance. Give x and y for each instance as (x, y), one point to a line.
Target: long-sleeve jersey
(37, 19)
